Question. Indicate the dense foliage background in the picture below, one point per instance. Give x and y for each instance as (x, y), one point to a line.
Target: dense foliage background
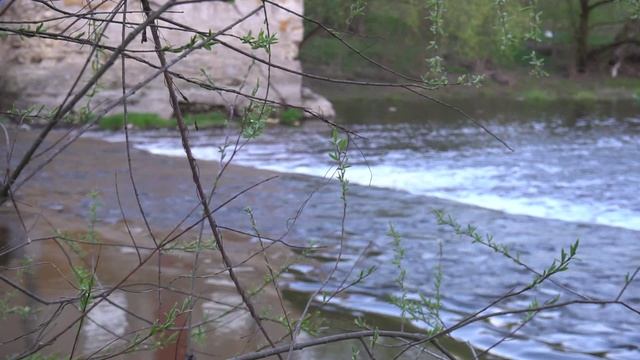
(397, 33)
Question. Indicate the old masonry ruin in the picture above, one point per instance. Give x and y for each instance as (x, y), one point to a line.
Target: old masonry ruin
(39, 71)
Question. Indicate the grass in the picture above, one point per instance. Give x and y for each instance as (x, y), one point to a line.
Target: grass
(547, 95)
(138, 120)
(584, 95)
(148, 121)
(291, 116)
(538, 95)
(206, 120)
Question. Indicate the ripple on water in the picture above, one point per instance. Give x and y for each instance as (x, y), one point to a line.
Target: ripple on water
(570, 182)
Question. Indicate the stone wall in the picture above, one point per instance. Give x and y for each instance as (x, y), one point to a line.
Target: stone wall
(40, 71)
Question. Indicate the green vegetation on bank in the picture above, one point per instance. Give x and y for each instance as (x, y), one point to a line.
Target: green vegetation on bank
(206, 120)
(523, 88)
(146, 121)
(554, 88)
(138, 120)
(544, 95)
(291, 116)
(154, 121)
(37, 116)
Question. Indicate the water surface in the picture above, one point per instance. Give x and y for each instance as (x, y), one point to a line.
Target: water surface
(574, 173)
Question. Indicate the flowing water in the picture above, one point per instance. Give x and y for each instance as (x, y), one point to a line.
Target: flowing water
(574, 173)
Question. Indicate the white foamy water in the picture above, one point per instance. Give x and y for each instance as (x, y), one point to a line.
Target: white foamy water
(584, 177)
(471, 186)
(105, 322)
(474, 186)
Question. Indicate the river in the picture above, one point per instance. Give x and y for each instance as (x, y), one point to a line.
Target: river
(573, 174)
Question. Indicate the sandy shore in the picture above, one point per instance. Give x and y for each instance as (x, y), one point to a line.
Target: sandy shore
(56, 202)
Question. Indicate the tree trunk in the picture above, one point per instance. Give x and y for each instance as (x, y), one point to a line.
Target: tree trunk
(582, 35)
